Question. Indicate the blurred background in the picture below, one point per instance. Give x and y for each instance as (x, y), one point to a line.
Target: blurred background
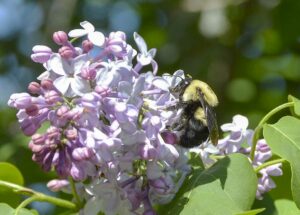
(247, 50)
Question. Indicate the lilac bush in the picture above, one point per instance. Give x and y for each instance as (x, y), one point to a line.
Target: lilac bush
(108, 124)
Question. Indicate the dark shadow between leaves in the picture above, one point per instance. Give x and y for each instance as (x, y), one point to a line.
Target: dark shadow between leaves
(216, 172)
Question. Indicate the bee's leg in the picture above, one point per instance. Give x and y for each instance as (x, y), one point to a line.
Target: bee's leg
(177, 106)
(179, 125)
(176, 127)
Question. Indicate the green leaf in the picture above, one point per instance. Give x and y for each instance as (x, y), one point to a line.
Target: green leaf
(252, 212)
(194, 161)
(284, 139)
(7, 210)
(228, 187)
(34, 212)
(10, 173)
(286, 207)
(69, 213)
(296, 108)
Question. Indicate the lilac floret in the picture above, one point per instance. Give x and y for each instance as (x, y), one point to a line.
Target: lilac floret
(41, 54)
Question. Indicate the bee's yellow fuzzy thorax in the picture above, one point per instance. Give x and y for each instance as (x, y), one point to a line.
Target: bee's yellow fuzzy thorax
(191, 93)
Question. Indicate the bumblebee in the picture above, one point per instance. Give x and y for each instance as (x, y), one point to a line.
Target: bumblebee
(198, 120)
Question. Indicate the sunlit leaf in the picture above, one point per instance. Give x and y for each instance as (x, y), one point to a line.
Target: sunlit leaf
(10, 173)
(284, 139)
(228, 187)
(7, 210)
(286, 207)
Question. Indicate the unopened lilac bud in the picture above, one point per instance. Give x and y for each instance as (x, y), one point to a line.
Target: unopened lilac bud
(66, 52)
(62, 110)
(71, 134)
(41, 54)
(34, 88)
(120, 34)
(54, 132)
(38, 139)
(87, 46)
(47, 84)
(32, 110)
(52, 97)
(28, 127)
(56, 185)
(90, 100)
(262, 146)
(103, 91)
(88, 74)
(82, 153)
(169, 137)
(116, 44)
(74, 114)
(60, 38)
(20, 100)
(35, 148)
(274, 170)
(77, 173)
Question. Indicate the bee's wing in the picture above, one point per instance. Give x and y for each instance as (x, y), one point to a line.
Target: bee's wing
(210, 118)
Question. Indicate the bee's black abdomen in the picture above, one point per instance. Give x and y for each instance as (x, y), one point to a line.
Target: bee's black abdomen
(194, 134)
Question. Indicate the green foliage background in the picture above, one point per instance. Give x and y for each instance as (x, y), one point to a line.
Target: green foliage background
(247, 50)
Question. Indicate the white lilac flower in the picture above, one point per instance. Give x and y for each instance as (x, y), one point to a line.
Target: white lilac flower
(96, 37)
(238, 134)
(69, 81)
(110, 74)
(145, 57)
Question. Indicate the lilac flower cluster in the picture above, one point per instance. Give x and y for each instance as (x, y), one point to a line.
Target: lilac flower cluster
(239, 140)
(106, 121)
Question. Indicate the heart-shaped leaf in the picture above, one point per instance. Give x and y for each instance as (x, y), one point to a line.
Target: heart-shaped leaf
(284, 139)
(10, 173)
(228, 187)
